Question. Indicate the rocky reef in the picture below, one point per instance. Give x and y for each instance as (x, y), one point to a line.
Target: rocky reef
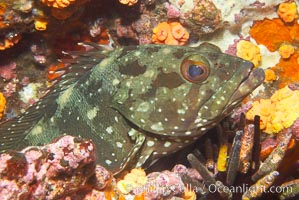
(34, 36)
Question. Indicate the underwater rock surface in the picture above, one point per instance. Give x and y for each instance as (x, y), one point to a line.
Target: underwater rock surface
(35, 33)
(66, 169)
(57, 170)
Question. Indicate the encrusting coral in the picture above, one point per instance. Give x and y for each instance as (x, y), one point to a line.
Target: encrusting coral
(287, 70)
(9, 41)
(287, 11)
(68, 167)
(286, 50)
(58, 3)
(249, 51)
(40, 24)
(277, 112)
(273, 33)
(172, 33)
(270, 75)
(136, 178)
(128, 2)
(2, 104)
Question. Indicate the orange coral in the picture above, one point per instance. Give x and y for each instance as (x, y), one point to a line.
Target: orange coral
(249, 51)
(58, 3)
(9, 42)
(2, 104)
(128, 2)
(273, 33)
(136, 178)
(55, 71)
(269, 75)
(287, 70)
(2, 11)
(189, 194)
(40, 24)
(278, 112)
(286, 50)
(62, 14)
(63, 9)
(287, 11)
(172, 33)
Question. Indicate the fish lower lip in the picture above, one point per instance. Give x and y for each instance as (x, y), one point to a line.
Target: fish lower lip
(253, 80)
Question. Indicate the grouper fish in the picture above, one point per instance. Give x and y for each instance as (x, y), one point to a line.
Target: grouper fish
(136, 103)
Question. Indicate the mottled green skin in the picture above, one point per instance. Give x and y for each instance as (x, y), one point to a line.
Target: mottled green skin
(134, 103)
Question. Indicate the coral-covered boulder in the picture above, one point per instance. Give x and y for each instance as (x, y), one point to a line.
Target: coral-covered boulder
(64, 168)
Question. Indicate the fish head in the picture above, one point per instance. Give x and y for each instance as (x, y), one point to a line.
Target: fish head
(182, 91)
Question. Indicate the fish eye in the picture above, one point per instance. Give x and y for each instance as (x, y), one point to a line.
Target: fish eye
(195, 71)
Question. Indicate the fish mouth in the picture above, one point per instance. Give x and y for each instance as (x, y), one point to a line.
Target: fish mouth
(254, 78)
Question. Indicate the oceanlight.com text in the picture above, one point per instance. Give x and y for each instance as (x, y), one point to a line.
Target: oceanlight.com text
(166, 189)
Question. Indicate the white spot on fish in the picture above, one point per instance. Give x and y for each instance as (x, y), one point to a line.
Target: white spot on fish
(128, 84)
(63, 99)
(109, 130)
(149, 73)
(167, 144)
(119, 144)
(108, 162)
(181, 111)
(143, 107)
(157, 126)
(166, 51)
(115, 82)
(132, 132)
(37, 130)
(92, 113)
(150, 143)
(188, 133)
(137, 53)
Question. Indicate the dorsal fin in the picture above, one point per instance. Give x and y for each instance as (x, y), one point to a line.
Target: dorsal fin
(13, 131)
